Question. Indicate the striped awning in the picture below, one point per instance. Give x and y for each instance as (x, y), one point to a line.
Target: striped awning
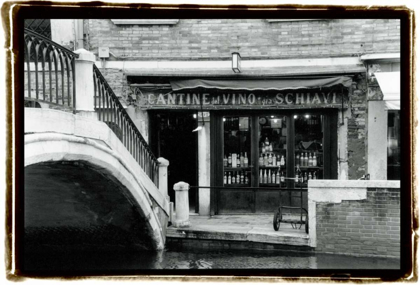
(261, 84)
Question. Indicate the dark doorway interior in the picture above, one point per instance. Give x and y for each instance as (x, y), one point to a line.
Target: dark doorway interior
(171, 137)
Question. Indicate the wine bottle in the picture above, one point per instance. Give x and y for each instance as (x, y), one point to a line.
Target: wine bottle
(246, 179)
(261, 176)
(265, 177)
(314, 160)
(224, 179)
(230, 160)
(242, 160)
(234, 162)
(274, 160)
(242, 178)
(238, 178)
(297, 159)
(282, 162)
(273, 178)
(229, 179)
(278, 177)
(302, 159)
(261, 160)
(282, 179)
(266, 159)
(245, 161)
(238, 161)
(225, 161)
(270, 159)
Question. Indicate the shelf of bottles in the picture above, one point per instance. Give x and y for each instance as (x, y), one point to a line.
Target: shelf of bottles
(272, 151)
(237, 150)
(309, 163)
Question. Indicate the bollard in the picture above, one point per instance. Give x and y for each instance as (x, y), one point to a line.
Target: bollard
(163, 176)
(182, 210)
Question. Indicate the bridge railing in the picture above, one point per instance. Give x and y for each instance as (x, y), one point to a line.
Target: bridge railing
(111, 111)
(50, 77)
(49, 71)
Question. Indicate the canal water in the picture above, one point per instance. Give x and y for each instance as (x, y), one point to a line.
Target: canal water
(85, 261)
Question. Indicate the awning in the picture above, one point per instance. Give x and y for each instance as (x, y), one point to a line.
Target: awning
(389, 82)
(260, 84)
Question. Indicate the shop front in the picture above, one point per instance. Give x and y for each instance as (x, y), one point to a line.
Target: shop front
(265, 136)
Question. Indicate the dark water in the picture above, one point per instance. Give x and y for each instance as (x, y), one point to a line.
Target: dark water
(122, 260)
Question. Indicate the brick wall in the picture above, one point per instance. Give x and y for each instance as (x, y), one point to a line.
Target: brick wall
(368, 227)
(253, 38)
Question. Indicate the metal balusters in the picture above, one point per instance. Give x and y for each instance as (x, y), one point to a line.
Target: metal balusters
(36, 49)
(112, 112)
(49, 57)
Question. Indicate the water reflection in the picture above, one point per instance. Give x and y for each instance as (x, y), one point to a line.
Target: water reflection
(122, 259)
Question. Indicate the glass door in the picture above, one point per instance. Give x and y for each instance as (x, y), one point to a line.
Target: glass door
(272, 157)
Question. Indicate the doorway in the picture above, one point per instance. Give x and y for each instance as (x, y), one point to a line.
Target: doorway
(171, 137)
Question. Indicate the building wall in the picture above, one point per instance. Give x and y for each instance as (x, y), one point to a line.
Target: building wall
(253, 38)
(356, 129)
(369, 227)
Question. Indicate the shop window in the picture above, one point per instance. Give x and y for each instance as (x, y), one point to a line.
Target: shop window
(308, 148)
(268, 158)
(237, 146)
(393, 149)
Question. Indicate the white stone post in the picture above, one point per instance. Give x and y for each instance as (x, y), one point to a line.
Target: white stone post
(377, 140)
(182, 208)
(163, 176)
(84, 82)
(204, 166)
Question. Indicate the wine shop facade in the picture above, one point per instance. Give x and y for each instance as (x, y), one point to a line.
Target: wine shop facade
(256, 136)
(303, 101)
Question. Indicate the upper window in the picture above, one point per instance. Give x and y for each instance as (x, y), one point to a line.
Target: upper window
(40, 26)
(145, 21)
(394, 158)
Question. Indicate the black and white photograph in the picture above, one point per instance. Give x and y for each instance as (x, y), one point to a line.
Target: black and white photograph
(204, 143)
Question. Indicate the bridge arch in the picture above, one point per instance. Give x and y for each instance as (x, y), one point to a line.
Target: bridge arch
(99, 151)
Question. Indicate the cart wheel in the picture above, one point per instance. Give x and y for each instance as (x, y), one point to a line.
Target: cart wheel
(276, 220)
(307, 225)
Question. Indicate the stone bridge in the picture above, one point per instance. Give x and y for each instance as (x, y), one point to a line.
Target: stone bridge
(82, 185)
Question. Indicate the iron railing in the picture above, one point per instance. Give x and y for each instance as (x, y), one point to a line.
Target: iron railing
(53, 68)
(111, 111)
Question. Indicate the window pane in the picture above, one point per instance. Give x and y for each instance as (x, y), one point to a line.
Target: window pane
(237, 151)
(308, 148)
(394, 161)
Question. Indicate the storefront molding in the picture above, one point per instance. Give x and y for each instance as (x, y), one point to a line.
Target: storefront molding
(261, 68)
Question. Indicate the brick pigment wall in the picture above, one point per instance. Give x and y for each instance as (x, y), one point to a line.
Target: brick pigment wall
(253, 38)
(368, 227)
(356, 124)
